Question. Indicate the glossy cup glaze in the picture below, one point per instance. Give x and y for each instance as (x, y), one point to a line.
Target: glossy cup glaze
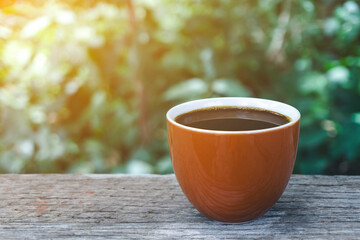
(233, 176)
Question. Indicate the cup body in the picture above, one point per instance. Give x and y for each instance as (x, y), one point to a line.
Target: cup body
(233, 176)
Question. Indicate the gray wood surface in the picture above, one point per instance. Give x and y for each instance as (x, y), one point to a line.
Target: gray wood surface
(153, 207)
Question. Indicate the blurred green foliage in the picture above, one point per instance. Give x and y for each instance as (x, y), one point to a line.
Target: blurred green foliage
(85, 85)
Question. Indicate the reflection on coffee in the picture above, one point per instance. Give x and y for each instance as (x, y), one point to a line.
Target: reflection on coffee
(232, 119)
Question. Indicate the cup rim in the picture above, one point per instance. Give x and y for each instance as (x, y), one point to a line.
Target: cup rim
(292, 113)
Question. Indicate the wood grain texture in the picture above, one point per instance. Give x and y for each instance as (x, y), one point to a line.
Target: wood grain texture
(153, 207)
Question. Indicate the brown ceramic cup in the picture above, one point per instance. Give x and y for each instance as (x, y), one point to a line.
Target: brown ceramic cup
(233, 176)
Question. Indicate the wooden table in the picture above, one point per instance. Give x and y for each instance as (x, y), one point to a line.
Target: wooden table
(153, 207)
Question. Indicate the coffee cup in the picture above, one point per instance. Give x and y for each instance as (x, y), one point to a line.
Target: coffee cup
(233, 176)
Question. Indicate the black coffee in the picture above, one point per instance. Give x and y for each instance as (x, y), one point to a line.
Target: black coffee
(232, 119)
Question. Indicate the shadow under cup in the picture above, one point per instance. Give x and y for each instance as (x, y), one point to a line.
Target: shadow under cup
(233, 176)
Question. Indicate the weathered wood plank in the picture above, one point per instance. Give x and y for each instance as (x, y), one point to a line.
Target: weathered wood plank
(153, 207)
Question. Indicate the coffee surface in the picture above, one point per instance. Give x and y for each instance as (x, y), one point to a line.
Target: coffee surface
(232, 119)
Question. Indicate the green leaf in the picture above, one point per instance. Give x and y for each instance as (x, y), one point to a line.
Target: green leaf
(313, 82)
(347, 142)
(302, 64)
(229, 88)
(312, 139)
(192, 88)
(351, 7)
(142, 153)
(164, 165)
(81, 167)
(331, 26)
(11, 162)
(308, 6)
(136, 166)
(356, 118)
(339, 75)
